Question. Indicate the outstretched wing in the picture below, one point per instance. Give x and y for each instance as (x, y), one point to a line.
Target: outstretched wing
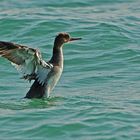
(27, 60)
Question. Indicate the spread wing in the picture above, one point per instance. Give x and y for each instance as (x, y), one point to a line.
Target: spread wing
(27, 60)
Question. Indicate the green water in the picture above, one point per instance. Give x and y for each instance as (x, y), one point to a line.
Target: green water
(98, 96)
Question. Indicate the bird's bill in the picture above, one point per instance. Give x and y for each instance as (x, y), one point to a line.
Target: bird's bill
(73, 39)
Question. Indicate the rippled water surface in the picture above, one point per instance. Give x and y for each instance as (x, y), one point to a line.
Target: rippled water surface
(98, 96)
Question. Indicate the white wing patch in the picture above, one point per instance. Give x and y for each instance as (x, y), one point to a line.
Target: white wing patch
(28, 61)
(34, 64)
(29, 64)
(42, 74)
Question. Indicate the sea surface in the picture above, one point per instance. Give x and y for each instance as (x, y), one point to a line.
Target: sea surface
(98, 95)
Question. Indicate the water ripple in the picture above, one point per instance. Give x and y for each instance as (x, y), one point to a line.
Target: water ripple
(98, 94)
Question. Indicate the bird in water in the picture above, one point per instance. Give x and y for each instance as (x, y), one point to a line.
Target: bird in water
(30, 63)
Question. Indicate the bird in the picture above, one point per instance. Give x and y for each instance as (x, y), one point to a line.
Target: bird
(29, 62)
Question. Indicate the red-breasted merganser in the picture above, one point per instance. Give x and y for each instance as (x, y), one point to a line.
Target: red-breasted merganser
(30, 63)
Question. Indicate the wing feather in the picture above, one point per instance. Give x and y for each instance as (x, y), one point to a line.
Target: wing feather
(27, 60)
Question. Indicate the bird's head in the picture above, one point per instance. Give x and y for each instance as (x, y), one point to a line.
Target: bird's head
(62, 38)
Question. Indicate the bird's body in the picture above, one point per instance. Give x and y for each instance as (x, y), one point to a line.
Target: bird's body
(29, 61)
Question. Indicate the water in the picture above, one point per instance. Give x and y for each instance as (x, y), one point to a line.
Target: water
(98, 96)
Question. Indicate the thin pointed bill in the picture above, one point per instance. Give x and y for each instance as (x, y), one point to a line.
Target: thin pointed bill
(73, 39)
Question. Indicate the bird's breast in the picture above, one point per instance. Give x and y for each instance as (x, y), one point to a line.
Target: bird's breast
(54, 76)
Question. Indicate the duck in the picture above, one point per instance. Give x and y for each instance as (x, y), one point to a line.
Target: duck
(29, 62)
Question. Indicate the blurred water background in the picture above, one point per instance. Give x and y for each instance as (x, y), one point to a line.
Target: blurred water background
(98, 96)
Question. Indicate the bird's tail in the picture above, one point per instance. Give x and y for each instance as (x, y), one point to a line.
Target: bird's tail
(37, 90)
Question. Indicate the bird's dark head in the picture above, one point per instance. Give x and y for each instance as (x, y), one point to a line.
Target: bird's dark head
(62, 38)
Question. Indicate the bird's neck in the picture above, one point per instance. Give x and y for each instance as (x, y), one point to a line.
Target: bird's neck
(57, 57)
